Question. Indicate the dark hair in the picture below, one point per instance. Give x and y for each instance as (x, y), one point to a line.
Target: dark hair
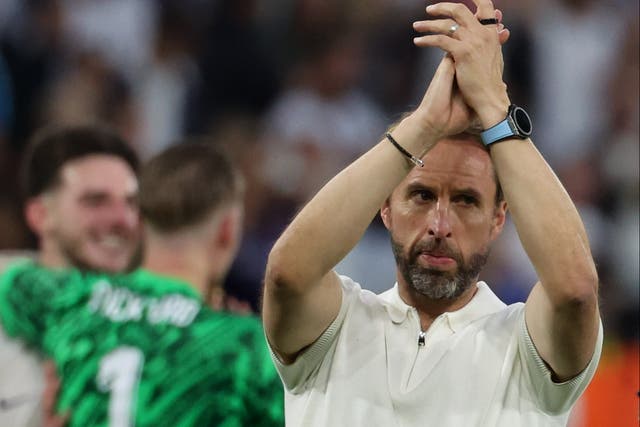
(51, 148)
(185, 183)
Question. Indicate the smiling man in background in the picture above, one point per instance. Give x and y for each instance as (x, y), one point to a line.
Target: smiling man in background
(79, 185)
(144, 348)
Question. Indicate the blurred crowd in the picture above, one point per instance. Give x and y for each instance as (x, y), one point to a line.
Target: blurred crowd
(296, 89)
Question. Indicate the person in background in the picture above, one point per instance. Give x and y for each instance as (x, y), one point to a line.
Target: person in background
(143, 348)
(79, 187)
(439, 347)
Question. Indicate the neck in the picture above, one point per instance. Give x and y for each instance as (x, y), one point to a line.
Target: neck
(187, 262)
(49, 255)
(429, 309)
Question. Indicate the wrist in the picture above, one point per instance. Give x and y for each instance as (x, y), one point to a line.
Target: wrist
(517, 124)
(493, 112)
(416, 137)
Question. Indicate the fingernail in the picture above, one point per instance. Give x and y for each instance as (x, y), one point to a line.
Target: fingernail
(430, 7)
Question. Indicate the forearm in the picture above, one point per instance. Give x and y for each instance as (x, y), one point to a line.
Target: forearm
(547, 221)
(562, 309)
(331, 224)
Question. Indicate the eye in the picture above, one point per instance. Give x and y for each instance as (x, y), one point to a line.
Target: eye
(423, 195)
(133, 201)
(93, 200)
(466, 199)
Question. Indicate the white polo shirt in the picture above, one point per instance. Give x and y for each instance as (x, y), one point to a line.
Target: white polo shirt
(477, 367)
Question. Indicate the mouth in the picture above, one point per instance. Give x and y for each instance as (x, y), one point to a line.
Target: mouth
(437, 260)
(113, 242)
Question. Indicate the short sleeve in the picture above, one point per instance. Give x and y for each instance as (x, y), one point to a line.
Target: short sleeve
(555, 398)
(26, 294)
(295, 375)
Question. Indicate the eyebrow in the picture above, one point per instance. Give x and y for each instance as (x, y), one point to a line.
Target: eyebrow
(103, 194)
(418, 186)
(469, 191)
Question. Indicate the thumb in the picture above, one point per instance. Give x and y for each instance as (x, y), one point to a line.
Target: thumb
(442, 82)
(503, 35)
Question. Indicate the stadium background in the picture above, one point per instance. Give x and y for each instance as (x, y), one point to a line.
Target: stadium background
(296, 89)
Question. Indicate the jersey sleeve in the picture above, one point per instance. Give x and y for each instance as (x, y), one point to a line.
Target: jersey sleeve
(27, 293)
(555, 398)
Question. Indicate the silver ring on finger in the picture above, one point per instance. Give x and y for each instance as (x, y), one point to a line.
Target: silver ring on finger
(453, 29)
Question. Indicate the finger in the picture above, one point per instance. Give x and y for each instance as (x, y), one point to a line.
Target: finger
(52, 384)
(485, 9)
(504, 35)
(56, 421)
(496, 20)
(458, 11)
(443, 78)
(50, 397)
(438, 26)
(445, 43)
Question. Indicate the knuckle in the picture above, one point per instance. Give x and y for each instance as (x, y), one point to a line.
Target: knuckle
(489, 35)
(458, 8)
(464, 52)
(475, 44)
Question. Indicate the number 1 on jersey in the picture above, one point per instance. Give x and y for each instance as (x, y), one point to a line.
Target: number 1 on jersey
(119, 374)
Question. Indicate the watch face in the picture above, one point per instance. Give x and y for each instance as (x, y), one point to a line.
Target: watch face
(522, 121)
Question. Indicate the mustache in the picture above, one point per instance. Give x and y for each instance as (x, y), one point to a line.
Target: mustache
(437, 246)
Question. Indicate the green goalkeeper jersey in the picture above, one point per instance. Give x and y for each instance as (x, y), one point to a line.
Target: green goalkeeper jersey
(142, 350)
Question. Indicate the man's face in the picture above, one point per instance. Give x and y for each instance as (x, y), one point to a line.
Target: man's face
(92, 216)
(443, 217)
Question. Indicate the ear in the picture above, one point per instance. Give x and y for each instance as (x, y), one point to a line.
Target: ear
(499, 218)
(230, 229)
(385, 213)
(37, 215)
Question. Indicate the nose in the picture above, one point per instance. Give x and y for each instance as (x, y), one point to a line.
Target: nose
(124, 215)
(439, 225)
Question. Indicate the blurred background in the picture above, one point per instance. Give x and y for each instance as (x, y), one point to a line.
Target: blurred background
(296, 89)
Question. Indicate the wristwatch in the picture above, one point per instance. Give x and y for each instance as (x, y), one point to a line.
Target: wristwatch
(517, 124)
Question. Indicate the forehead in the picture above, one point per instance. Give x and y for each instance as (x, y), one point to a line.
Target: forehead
(99, 173)
(455, 164)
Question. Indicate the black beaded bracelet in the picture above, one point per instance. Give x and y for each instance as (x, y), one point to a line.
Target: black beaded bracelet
(416, 161)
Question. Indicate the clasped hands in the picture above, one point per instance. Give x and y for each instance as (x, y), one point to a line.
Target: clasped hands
(467, 92)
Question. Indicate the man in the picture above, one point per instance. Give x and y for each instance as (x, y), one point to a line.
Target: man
(142, 348)
(439, 348)
(79, 184)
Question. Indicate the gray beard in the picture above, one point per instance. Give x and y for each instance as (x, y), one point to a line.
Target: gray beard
(436, 284)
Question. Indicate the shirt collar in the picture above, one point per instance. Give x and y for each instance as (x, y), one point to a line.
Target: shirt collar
(483, 303)
(395, 306)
